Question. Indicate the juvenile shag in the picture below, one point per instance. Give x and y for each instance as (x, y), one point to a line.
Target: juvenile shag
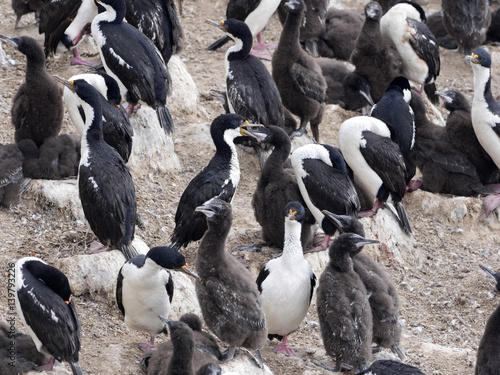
(321, 174)
(460, 133)
(22, 7)
(158, 20)
(485, 114)
(116, 127)
(145, 288)
(467, 22)
(344, 312)
(286, 284)
(219, 179)
(404, 25)
(251, 91)
(11, 174)
(373, 54)
(488, 352)
(377, 163)
(394, 110)
(436, 26)
(141, 75)
(37, 108)
(384, 298)
(43, 302)
(65, 22)
(227, 292)
(297, 75)
(106, 187)
(390, 367)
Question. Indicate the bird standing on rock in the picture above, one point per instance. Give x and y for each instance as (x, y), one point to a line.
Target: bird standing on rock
(133, 60)
(227, 292)
(298, 76)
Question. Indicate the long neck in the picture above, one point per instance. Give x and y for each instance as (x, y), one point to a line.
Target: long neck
(291, 31)
(341, 261)
(292, 246)
(274, 163)
(241, 49)
(181, 363)
(213, 243)
(482, 84)
(35, 66)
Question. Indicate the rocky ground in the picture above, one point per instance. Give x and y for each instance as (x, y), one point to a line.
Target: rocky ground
(445, 297)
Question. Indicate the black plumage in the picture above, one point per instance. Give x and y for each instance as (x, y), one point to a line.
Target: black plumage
(141, 75)
(43, 302)
(467, 21)
(158, 20)
(344, 312)
(342, 27)
(275, 188)
(377, 163)
(227, 291)
(106, 187)
(321, 174)
(395, 111)
(436, 26)
(374, 56)
(390, 367)
(251, 90)
(22, 7)
(384, 298)
(219, 179)
(297, 75)
(116, 127)
(417, 47)
(11, 173)
(488, 352)
(460, 133)
(37, 108)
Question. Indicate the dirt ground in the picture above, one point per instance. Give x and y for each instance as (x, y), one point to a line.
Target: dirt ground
(446, 299)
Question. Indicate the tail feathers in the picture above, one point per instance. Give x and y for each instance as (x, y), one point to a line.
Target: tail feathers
(403, 219)
(128, 250)
(76, 368)
(219, 43)
(430, 91)
(165, 119)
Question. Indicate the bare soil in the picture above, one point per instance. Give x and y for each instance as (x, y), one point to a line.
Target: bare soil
(446, 300)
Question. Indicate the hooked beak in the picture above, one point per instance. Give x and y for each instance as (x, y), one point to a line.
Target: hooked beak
(335, 219)
(259, 136)
(187, 271)
(446, 98)
(68, 84)
(219, 25)
(365, 241)
(9, 39)
(205, 209)
(472, 58)
(489, 272)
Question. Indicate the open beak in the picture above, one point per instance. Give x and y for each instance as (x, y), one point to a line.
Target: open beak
(68, 84)
(187, 271)
(254, 133)
(219, 25)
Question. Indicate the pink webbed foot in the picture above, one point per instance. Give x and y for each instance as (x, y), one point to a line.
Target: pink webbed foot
(132, 108)
(320, 245)
(97, 247)
(490, 203)
(144, 346)
(48, 366)
(413, 185)
(282, 348)
(261, 54)
(261, 45)
(373, 211)
(77, 60)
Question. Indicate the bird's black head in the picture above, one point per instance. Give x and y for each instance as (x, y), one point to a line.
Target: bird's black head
(373, 11)
(27, 46)
(294, 211)
(357, 91)
(181, 335)
(50, 276)
(84, 90)
(227, 127)
(345, 223)
(274, 135)
(494, 275)
(350, 243)
(454, 100)
(192, 320)
(168, 258)
(236, 28)
(418, 8)
(215, 210)
(480, 56)
(336, 158)
(295, 6)
(112, 89)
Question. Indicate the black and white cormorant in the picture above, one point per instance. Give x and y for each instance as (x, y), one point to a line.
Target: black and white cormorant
(145, 288)
(228, 295)
(219, 179)
(377, 163)
(106, 187)
(297, 74)
(460, 133)
(395, 111)
(37, 108)
(384, 298)
(344, 312)
(250, 89)
(65, 22)
(11, 174)
(321, 174)
(116, 127)
(43, 302)
(467, 22)
(373, 54)
(286, 284)
(485, 114)
(488, 352)
(404, 25)
(133, 60)
(158, 20)
(390, 367)
(256, 14)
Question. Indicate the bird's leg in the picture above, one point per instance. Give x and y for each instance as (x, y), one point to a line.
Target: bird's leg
(253, 248)
(263, 46)
(48, 366)
(97, 247)
(490, 203)
(323, 245)
(284, 349)
(77, 60)
(228, 354)
(144, 346)
(132, 108)
(413, 185)
(301, 130)
(373, 211)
